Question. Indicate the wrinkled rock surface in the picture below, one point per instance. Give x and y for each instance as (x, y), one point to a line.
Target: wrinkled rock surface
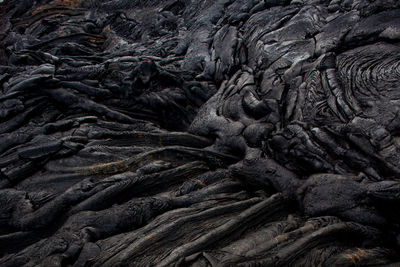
(199, 133)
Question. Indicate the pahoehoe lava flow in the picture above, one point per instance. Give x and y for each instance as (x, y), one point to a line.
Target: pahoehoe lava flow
(199, 133)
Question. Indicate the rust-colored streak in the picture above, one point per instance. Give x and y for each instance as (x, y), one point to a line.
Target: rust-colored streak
(68, 4)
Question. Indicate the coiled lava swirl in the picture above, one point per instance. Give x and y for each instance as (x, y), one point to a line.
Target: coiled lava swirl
(199, 133)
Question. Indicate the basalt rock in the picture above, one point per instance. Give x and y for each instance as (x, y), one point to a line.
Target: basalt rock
(199, 133)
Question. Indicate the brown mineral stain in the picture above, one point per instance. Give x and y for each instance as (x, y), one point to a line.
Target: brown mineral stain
(102, 168)
(361, 251)
(351, 257)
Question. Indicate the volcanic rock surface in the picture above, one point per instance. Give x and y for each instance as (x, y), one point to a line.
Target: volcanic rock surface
(199, 133)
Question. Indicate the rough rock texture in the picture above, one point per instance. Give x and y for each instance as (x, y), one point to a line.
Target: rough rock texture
(199, 133)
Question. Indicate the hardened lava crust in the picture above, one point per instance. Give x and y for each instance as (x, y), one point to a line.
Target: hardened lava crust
(199, 133)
